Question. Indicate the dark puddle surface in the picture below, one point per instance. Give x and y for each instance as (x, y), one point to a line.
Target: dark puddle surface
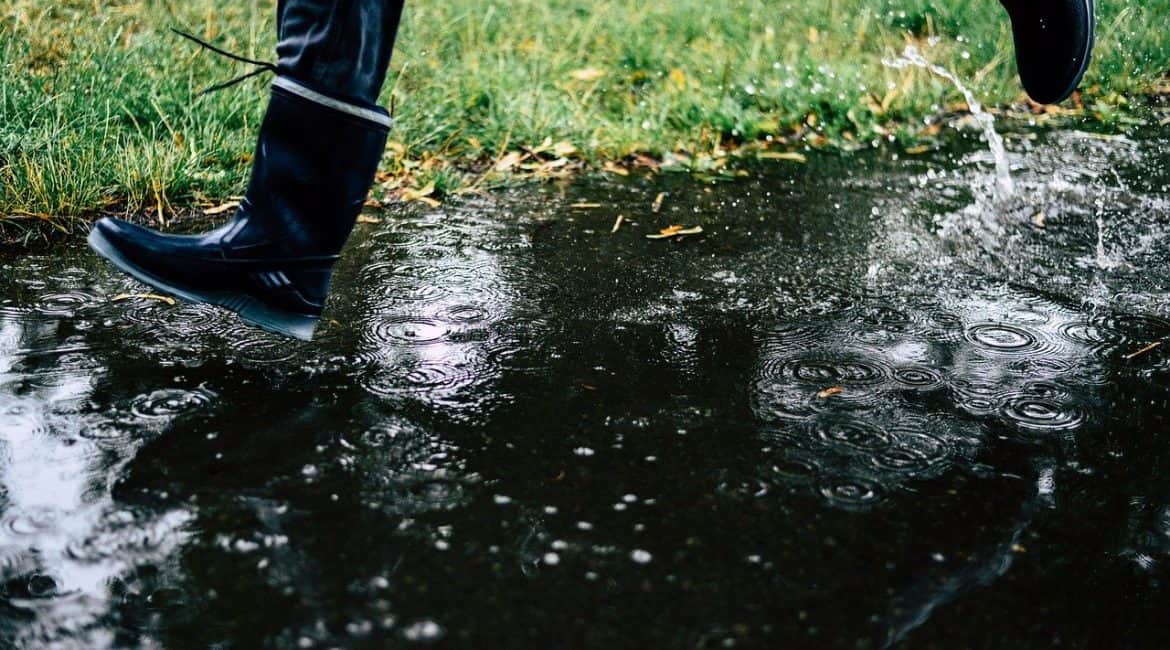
(856, 411)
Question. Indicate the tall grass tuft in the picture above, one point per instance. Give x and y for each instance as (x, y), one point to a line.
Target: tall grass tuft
(99, 108)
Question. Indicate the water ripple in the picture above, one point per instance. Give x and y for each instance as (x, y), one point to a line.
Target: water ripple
(1003, 339)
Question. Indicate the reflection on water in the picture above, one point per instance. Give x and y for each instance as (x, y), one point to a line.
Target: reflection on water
(68, 552)
(853, 412)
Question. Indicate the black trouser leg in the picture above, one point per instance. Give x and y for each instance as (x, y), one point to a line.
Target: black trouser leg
(338, 47)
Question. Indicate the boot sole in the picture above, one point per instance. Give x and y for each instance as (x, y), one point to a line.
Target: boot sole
(1091, 9)
(1088, 53)
(251, 310)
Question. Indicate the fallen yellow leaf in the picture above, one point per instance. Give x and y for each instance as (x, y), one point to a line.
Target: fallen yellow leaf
(658, 202)
(564, 149)
(422, 194)
(508, 161)
(790, 156)
(830, 392)
(220, 209)
(588, 74)
(365, 218)
(615, 169)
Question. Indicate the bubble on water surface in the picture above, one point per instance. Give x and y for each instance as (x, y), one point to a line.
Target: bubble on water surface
(852, 493)
(395, 330)
(170, 402)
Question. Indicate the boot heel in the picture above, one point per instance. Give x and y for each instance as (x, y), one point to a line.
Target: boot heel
(252, 311)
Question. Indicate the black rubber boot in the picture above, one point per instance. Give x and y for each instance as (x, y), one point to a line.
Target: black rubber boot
(314, 163)
(1054, 42)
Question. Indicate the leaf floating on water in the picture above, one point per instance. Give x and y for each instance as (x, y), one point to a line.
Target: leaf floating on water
(220, 209)
(1040, 220)
(146, 296)
(1146, 350)
(676, 231)
(790, 156)
(830, 392)
(365, 218)
(658, 202)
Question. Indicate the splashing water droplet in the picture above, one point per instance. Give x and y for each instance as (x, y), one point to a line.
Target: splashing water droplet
(1005, 187)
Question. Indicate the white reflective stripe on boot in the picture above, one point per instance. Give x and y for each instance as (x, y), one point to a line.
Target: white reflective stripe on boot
(368, 114)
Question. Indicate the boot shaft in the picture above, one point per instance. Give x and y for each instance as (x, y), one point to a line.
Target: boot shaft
(313, 166)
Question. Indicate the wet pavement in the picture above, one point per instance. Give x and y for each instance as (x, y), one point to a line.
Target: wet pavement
(862, 409)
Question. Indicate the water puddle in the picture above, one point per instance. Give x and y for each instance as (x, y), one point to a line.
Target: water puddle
(832, 419)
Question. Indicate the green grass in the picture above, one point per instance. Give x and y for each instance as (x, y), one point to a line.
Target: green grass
(98, 107)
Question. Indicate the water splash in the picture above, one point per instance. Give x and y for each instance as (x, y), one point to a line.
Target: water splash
(1005, 188)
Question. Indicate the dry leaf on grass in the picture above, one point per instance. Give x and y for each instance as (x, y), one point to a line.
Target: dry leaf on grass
(588, 74)
(422, 194)
(564, 149)
(220, 209)
(509, 160)
(615, 169)
(790, 156)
